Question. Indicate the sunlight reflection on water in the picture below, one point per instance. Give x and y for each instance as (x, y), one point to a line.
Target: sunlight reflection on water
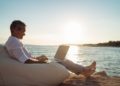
(73, 55)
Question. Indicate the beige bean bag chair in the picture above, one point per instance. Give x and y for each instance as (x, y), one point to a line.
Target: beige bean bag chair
(14, 73)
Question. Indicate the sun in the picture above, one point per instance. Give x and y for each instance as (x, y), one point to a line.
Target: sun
(73, 32)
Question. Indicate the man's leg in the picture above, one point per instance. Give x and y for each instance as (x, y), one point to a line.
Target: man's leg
(78, 69)
(73, 67)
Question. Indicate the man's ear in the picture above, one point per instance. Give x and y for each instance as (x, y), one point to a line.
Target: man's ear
(14, 31)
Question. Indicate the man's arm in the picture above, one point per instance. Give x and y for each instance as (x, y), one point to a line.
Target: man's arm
(32, 61)
(22, 57)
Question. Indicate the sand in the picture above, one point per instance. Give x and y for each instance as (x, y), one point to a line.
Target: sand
(97, 79)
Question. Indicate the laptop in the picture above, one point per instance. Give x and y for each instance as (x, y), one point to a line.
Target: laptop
(60, 54)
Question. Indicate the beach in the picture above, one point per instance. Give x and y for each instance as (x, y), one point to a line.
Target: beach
(97, 79)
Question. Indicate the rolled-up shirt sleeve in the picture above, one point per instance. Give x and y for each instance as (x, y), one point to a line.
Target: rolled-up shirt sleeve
(19, 54)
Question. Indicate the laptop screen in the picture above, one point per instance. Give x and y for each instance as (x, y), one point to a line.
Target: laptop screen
(61, 52)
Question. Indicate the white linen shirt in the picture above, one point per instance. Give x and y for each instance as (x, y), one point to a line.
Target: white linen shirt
(16, 49)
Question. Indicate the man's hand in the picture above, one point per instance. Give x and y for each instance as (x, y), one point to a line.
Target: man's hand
(40, 59)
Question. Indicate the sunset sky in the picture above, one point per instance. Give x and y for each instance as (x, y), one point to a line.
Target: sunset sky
(62, 21)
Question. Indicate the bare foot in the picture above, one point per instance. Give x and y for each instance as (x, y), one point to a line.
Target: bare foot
(93, 65)
(89, 70)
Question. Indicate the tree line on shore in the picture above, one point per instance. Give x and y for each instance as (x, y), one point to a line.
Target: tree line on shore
(105, 44)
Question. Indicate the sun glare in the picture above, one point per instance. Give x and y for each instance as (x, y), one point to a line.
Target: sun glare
(73, 33)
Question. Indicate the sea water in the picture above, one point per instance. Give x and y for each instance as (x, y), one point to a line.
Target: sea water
(107, 58)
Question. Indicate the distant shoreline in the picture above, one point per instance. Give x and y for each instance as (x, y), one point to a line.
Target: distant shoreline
(105, 44)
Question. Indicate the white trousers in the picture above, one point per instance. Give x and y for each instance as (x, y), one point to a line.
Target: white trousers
(71, 66)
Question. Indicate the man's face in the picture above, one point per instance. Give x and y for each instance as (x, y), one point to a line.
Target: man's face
(19, 31)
